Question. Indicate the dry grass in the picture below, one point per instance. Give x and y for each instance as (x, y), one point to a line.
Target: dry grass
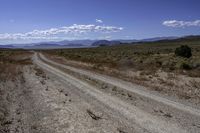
(11, 64)
(147, 57)
(10, 61)
(195, 84)
(153, 65)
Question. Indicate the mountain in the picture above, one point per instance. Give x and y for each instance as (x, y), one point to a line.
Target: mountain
(106, 43)
(158, 39)
(47, 45)
(188, 38)
(53, 46)
(123, 41)
(74, 45)
(7, 46)
(82, 42)
(182, 39)
(95, 43)
(127, 41)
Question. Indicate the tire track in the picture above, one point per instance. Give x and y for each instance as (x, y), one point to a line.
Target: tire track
(129, 87)
(131, 113)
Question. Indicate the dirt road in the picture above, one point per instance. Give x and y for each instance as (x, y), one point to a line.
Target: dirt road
(48, 97)
(105, 104)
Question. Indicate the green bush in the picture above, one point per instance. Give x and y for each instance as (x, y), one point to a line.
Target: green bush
(183, 51)
(183, 64)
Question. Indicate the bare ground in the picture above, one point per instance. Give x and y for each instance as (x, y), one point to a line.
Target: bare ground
(171, 84)
(49, 98)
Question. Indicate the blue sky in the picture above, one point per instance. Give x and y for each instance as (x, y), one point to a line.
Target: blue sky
(24, 21)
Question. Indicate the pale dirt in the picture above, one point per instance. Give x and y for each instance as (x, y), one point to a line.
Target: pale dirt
(56, 100)
(172, 84)
(150, 122)
(128, 86)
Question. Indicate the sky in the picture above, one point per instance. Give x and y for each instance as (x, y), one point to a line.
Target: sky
(27, 21)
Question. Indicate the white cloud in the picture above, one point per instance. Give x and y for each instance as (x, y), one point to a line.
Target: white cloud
(105, 37)
(99, 21)
(73, 30)
(175, 23)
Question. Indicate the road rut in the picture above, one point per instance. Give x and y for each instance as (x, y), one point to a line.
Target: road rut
(144, 121)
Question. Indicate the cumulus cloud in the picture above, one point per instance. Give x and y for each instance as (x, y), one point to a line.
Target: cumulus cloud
(66, 30)
(105, 37)
(175, 23)
(99, 21)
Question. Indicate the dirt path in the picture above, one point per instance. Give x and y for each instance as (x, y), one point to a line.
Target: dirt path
(129, 87)
(47, 97)
(119, 111)
(53, 98)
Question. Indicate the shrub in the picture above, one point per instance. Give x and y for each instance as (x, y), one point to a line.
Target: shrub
(196, 65)
(184, 64)
(183, 51)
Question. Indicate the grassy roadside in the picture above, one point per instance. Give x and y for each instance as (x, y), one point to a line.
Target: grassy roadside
(11, 64)
(153, 65)
(148, 57)
(10, 60)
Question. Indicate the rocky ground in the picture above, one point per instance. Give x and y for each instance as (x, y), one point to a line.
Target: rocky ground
(46, 97)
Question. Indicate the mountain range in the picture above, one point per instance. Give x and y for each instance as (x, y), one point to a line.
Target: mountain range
(91, 43)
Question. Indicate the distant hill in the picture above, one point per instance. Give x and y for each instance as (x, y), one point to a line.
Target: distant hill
(117, 42)
(127, 41)
(158, 39)
(189, 38)
(96, 43)
(76, 42)
(7, 46)
(181, 39)
(47, 45)
(106, 43)
(73, 45)
(52, 46)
